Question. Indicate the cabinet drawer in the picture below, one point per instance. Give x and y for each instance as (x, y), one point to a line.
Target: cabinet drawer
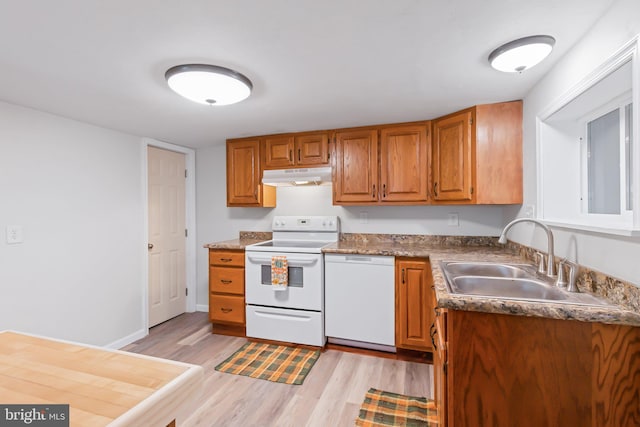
(226, 309)
(226, 280)
(226, 258)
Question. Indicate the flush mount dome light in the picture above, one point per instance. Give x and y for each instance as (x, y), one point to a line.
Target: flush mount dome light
(519, 55)
(208, 84)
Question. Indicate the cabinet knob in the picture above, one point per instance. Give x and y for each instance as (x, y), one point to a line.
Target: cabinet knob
(373, 192)
(403, 275)
(435, 188)
(150, 246)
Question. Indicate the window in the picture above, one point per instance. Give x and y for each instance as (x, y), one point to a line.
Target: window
(587, 163)
(608, 163)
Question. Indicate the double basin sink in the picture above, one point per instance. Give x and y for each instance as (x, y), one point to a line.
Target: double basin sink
(509, 281)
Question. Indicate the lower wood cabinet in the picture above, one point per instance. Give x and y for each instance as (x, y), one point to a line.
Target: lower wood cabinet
(226, 292)
(414, 304)
(503, 370)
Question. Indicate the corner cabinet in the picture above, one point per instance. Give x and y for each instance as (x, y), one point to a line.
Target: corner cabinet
(244, 174)
(414, 304)
(387, 165)
(226, 292)
(504, 370)
(477, 155)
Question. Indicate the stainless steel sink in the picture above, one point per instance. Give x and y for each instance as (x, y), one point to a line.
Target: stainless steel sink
(487, 269)
(506, 288)
(509, 281)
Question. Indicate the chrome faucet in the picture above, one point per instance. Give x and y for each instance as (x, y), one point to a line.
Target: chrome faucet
(551, 271)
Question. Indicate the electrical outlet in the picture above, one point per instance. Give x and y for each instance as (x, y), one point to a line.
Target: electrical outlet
(453, 219)
(364, 217)
(14, 234)
(529, 211)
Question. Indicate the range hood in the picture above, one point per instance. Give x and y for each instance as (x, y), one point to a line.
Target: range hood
(304, 176)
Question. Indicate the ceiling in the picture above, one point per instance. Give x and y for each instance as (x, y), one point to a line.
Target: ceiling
(314, 64)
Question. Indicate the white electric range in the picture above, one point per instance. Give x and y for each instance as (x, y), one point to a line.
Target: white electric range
(296, 314)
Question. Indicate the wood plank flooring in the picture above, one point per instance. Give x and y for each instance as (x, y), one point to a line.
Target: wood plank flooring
(330, 396)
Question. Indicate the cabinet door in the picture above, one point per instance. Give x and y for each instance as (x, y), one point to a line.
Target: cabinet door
(312, 149)
(243, 175)
(403, 164)
(278, 152)
(414, 311)
(356, 173)
(452, 157)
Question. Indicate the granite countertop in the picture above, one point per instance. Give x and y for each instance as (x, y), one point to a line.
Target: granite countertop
(623, 297)
(233, 244)
(613, 314)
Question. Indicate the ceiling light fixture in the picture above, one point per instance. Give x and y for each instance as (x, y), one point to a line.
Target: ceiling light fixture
(208, 84)
(522, 54)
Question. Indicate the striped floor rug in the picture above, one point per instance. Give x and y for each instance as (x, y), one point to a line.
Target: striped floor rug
(277, 363)
(382, 408)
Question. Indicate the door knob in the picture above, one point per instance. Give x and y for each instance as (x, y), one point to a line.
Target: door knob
(150, 246)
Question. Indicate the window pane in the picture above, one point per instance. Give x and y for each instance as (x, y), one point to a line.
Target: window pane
(603, 138)
(628, 150)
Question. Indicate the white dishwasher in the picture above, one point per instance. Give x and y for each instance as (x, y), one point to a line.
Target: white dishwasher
(359, 295)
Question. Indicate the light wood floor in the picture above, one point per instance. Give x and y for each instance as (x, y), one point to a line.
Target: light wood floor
(330, 396)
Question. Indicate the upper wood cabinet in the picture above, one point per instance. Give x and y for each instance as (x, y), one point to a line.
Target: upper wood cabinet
(477, 155)
(244, 174)
(414, 304)
(296, 150)
(382, 165)
(356, 166)
(404, 156)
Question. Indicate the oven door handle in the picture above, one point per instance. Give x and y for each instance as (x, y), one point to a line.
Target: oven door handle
(290, 260)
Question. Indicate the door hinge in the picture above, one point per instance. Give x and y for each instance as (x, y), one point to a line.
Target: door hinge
(471, 121)
(186, 292)
(444, 368)
(185, 173)
(186, 233)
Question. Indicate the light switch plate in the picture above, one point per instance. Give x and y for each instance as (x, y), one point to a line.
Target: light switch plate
(14, 234)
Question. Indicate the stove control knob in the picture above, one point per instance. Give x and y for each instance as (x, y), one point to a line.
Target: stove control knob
(324, 223)
(331, 223)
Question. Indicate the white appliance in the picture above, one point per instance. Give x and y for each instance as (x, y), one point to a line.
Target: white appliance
(296, 314)
(299, 176)
(360, 301)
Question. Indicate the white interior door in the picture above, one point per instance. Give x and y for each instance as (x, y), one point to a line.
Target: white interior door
(167, 275)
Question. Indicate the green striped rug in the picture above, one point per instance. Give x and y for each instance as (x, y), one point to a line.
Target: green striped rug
(382, 408)
(277, 363)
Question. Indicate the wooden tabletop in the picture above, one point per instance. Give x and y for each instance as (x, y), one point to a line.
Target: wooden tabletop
(102, 386)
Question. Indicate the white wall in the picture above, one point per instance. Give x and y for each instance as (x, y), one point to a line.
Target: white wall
(76, 191)
(217, 222)
(616, 256)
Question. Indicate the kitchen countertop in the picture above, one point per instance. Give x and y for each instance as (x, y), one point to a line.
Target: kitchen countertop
(613, 314)
(462, 249)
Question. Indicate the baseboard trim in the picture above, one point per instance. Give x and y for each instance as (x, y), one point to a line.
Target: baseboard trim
(122, 342)
(202, 307)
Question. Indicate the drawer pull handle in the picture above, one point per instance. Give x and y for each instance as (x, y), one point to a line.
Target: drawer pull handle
(225, 282)
(226, 310)
(226, 259)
